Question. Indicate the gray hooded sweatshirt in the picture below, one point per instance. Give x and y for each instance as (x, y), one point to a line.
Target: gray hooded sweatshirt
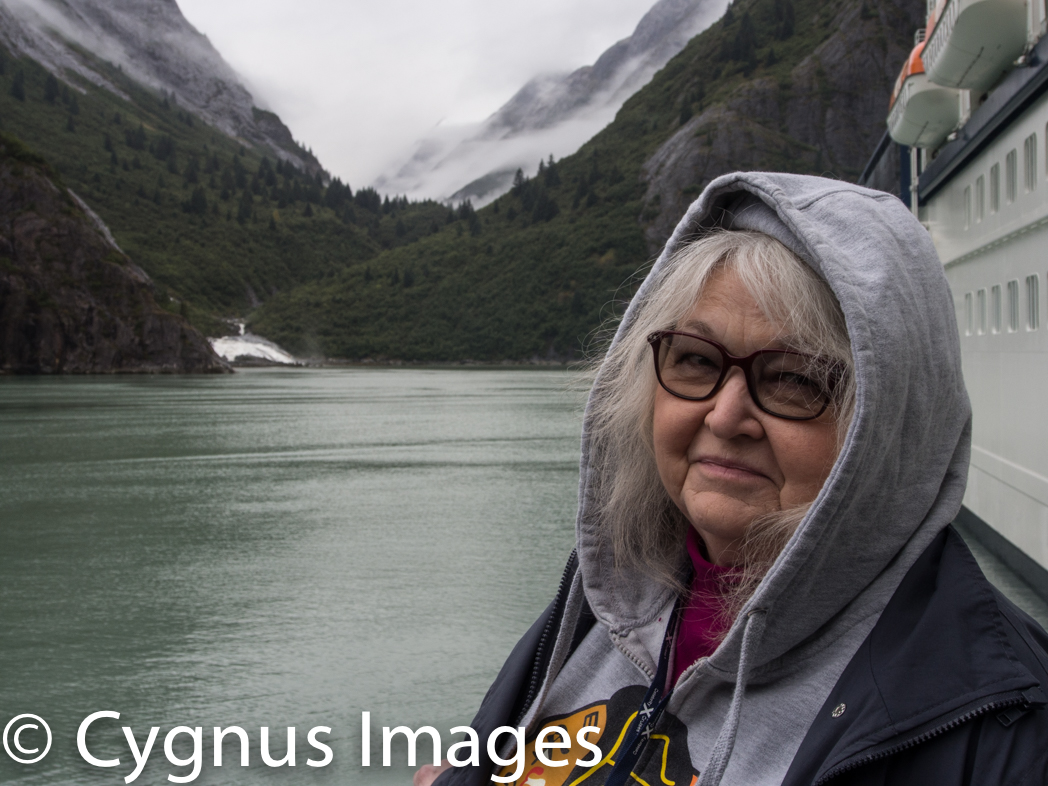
(738, 716)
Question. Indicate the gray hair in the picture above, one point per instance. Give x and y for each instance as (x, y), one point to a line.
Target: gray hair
(639, 520)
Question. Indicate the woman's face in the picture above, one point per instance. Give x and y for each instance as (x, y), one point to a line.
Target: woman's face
(724, 461)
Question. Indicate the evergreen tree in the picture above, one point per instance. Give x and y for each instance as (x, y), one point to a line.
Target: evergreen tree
(136, 138)
(70, 125)
(367, 274)
(578, 305)
(272, 224)
(51, 90)
(409, 278)
(74, 106)
(3, 63)
(197, 202)
(729, 16)
(192, 172)
(784, 15)
(18, 85)
(245, 208)
(745, 47)
(308, 212)
(552, 174)
(546, 208)
(239, 173)
(518, 182)
(164, 148)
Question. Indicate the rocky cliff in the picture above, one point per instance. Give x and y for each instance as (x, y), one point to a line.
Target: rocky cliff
(70, 300)
(825, 117)
(550, 114)
(153, 43)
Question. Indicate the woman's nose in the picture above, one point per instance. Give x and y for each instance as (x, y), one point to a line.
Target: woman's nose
(734, 412)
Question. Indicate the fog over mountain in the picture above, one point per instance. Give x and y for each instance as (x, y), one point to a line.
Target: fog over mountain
(551, 115)
(154, 44)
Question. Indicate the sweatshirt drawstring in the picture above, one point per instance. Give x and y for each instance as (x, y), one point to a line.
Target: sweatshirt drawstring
(751, 637)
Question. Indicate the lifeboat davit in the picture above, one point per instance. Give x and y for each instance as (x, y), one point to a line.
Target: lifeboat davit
(922, 113)
(973, 43)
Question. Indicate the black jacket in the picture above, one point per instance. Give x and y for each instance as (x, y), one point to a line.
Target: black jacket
(947, 690)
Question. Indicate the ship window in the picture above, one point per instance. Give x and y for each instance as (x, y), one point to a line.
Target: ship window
(1030, 162)
(995, 188)
(980, 198)
(1033, 303)
(995, 308)
(968, 314)
(1013, 306)
(967, 207)
(1010, 162)
(980, 309)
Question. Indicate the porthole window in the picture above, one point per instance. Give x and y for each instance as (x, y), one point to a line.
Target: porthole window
(1033, 303)
(1013, 306)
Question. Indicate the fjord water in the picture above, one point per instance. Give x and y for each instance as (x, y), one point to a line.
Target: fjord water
(273, 548)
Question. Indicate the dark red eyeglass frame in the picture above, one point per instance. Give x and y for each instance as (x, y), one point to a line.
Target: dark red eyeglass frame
(744, 363)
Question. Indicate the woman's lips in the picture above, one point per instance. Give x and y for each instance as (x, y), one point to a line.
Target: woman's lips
(728, 469)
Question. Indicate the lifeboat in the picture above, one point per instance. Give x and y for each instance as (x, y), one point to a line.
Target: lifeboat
(973, 43)
(922, 113)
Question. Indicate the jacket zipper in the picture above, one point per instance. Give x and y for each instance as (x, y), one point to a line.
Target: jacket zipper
(554, 621)
(1014, 699)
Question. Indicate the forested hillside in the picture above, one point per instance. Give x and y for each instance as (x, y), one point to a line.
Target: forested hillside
(794, 85)
(220, 226)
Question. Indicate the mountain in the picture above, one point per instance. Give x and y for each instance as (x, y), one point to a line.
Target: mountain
(154, 45)
(552, 114)
(791, 85)
(161, 149)
(70, 300)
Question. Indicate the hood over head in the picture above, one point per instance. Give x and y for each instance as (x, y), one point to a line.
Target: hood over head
(900, 476)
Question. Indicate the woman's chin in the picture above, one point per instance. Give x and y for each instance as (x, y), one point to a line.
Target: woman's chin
(722, 519)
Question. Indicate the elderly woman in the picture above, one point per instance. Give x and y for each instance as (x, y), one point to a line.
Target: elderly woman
(767, 588)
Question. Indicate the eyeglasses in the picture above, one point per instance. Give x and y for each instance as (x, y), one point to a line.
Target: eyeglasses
(782, 383)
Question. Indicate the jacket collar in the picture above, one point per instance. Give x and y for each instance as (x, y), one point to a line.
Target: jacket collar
(941, 653)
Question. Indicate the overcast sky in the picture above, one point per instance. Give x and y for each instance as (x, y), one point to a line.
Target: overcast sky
(359, 81)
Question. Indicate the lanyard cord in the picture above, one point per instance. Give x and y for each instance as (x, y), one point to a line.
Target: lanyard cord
(651, 709)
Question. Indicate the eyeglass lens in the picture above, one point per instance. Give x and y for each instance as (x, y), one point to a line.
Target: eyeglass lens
(784, 383)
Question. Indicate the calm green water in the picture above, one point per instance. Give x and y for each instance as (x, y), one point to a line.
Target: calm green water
(273, 548)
